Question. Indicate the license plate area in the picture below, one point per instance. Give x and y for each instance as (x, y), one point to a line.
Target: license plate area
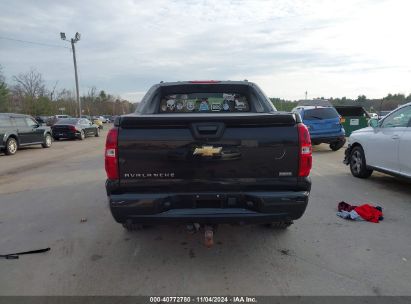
(207, 201)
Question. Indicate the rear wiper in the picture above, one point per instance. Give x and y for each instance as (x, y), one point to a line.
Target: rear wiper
(316, 117)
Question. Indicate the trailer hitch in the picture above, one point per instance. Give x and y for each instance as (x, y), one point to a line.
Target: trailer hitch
(208, 236)
(208, 232)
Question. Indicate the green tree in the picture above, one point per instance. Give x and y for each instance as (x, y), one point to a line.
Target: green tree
(102, 95)
(361, 98)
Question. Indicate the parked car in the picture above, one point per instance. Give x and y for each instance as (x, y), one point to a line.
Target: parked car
(103, 119)
(385, 146)
(109, 118)
(18, 130)
(207, 152)
(73, 128)
(96, 120)
(42, 120)
(324, 124)
(86, 117)
(53, 119)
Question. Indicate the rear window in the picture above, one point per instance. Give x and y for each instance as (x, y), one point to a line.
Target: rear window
(320, 113)
(204, 103)
(20, 121)
(69, 121)
(4, 122)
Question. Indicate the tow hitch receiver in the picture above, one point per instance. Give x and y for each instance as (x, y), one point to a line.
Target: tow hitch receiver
(208, 236)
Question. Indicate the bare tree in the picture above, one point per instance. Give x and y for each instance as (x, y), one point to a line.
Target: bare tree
(91, 94)
(30, 84)
(53, 90)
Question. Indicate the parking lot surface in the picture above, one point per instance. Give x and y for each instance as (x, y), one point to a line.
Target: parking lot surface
(44, 194)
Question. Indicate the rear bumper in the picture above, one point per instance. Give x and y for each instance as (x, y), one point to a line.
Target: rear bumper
(64, 134)
(208, 208)
(319, 139)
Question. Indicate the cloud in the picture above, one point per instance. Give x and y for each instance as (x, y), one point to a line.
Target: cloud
(330, 48)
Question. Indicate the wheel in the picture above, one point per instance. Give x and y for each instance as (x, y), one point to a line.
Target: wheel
(97, 133)
(82, 135)
(132, 227)
(358, 165)
(335, 146)
(11, 146)
(280, 225)
(47, 141)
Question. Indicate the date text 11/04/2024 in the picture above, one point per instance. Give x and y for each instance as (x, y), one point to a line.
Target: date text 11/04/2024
(205, 299)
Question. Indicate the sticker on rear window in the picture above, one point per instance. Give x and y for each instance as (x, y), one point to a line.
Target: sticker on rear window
(211, 102)
(203, 105)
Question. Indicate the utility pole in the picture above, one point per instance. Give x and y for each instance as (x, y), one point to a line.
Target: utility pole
(73, 41)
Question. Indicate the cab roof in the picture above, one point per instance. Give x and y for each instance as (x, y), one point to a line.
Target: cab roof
(313, 107)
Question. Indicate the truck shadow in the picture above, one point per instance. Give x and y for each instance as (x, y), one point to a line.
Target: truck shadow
(325, 148)
(388, 182)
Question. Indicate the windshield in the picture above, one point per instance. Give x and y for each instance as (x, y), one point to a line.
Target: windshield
(320, 113)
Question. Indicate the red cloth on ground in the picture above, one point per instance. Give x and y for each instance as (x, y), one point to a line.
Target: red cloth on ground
(368, 213)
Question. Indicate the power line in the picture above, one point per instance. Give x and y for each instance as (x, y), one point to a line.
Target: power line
(32, 42)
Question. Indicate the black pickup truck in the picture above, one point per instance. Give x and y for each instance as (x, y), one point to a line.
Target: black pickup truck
(207, 152)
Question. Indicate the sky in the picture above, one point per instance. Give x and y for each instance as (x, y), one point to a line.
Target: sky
(325, 47)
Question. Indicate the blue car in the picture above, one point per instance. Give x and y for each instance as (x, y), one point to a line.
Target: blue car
(324, 125)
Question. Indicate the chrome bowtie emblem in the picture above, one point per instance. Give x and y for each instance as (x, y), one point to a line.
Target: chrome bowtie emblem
(207, 151)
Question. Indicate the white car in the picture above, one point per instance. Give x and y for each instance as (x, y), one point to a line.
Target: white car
(385, 146)
(103, 119)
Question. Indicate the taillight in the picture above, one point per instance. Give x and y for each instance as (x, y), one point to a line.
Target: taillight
(111, 154)
(306, 158)
(342, 120)
(72, 128)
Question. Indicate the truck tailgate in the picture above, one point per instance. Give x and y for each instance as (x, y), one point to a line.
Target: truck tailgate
(184, 152)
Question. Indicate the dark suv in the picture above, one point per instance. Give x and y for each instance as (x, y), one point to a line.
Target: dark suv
(19, 130)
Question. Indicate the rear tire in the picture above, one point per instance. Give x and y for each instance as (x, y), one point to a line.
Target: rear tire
(335, 146)
(11, 146)
(82, 135)
(47, 141)
(280, 225)
(358, 165)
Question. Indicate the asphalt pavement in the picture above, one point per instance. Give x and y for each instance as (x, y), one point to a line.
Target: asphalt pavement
(56, 198)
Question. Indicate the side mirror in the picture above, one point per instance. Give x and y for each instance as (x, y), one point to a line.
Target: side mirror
(373, 123)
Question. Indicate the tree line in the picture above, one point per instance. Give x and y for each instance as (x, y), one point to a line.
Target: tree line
(387, 103)
(29, 94)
